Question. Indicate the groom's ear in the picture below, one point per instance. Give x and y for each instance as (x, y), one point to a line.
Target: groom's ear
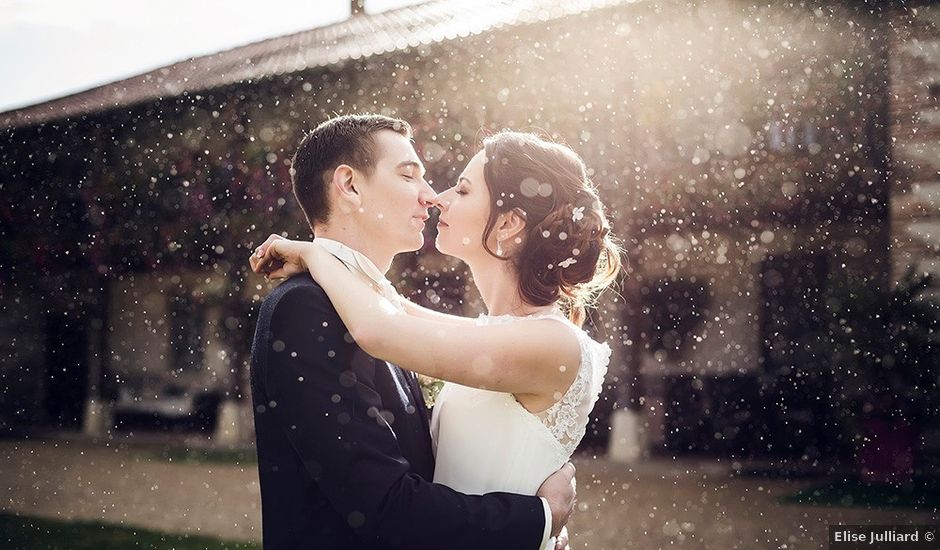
(346, 185)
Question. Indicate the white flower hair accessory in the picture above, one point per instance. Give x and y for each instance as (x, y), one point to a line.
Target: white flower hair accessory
(567, 262)
(577, 214)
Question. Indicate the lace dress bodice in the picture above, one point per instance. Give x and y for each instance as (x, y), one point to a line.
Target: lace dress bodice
(486, 441)
(567, 419)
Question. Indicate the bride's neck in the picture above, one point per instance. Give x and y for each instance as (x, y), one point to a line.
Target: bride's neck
(499, 288)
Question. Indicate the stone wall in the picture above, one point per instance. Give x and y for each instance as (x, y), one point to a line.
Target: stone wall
(915, 111)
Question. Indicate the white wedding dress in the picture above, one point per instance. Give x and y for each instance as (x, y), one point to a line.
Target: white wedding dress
(486, 441)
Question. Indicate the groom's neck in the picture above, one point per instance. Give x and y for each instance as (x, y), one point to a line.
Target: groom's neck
(358, 241)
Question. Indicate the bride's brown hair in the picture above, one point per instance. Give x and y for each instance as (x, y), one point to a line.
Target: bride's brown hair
(567, 253)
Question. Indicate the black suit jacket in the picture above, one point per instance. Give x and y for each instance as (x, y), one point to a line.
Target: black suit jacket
(344, 451)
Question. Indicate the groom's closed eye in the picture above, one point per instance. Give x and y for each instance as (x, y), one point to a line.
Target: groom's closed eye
(411, 170)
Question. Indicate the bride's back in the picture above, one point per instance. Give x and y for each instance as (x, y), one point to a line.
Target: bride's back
(487, 441)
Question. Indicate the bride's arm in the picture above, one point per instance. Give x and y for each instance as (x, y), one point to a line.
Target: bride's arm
(418, 310)
(537, 357)
(292, 266)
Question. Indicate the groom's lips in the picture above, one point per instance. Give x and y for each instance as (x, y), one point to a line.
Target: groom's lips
(441, 223)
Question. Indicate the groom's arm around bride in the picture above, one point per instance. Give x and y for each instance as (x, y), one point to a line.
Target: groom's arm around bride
(343, 452)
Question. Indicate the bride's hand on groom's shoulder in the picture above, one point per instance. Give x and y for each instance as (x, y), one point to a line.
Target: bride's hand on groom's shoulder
(279, 258)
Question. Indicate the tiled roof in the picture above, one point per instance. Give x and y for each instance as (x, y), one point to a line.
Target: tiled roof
(357, 37)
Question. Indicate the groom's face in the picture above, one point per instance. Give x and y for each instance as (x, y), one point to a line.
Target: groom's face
(395, 197)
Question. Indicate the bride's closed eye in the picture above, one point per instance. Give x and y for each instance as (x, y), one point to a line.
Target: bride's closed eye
(461, 186)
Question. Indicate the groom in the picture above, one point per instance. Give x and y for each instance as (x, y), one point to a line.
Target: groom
(344, 449)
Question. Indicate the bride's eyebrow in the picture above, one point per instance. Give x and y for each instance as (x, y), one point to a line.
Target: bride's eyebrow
(464, 178)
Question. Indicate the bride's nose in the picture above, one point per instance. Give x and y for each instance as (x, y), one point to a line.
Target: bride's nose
(441, 201)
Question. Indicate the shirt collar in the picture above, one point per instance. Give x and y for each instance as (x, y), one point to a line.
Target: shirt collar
(355, 260)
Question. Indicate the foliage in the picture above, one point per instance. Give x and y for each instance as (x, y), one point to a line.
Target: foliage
(884, 345)
(921, 494)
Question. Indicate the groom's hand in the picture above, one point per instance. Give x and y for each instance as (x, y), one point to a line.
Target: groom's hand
(559, 490)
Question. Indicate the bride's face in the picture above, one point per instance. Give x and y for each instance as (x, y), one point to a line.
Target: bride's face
(465, 207)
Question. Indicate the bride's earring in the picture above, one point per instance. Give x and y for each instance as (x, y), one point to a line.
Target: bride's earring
(499, 248)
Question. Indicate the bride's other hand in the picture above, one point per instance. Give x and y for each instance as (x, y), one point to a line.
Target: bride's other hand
(279, 258)
(561, 543)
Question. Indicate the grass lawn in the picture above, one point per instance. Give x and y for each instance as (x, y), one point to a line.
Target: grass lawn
(922, 494)
(30, 533)
(209, 456)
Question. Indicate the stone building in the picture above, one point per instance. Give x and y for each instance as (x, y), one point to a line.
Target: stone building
(747, 154)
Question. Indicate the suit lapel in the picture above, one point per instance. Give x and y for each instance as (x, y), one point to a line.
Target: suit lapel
(416, 397)
(423, 410)
(401, 387)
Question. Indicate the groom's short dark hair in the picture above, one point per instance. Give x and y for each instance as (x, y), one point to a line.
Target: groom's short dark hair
(346, 139)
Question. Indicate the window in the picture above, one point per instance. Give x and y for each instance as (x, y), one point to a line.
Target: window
(674, 309)
(791, 135)
(188, 319)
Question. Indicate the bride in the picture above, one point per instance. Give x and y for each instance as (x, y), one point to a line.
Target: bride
(520, 381)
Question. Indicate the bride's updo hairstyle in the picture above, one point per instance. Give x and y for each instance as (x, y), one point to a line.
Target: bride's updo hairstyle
(566, 253)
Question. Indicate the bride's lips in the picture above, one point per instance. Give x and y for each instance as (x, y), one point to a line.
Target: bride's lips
(421, 220)
(441, 223)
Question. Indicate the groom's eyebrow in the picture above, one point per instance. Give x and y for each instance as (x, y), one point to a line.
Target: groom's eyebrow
(412, 163)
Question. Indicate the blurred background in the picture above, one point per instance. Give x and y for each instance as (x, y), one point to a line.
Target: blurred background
(773, 170)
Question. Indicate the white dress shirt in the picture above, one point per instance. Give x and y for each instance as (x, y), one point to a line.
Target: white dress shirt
(358, 261)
